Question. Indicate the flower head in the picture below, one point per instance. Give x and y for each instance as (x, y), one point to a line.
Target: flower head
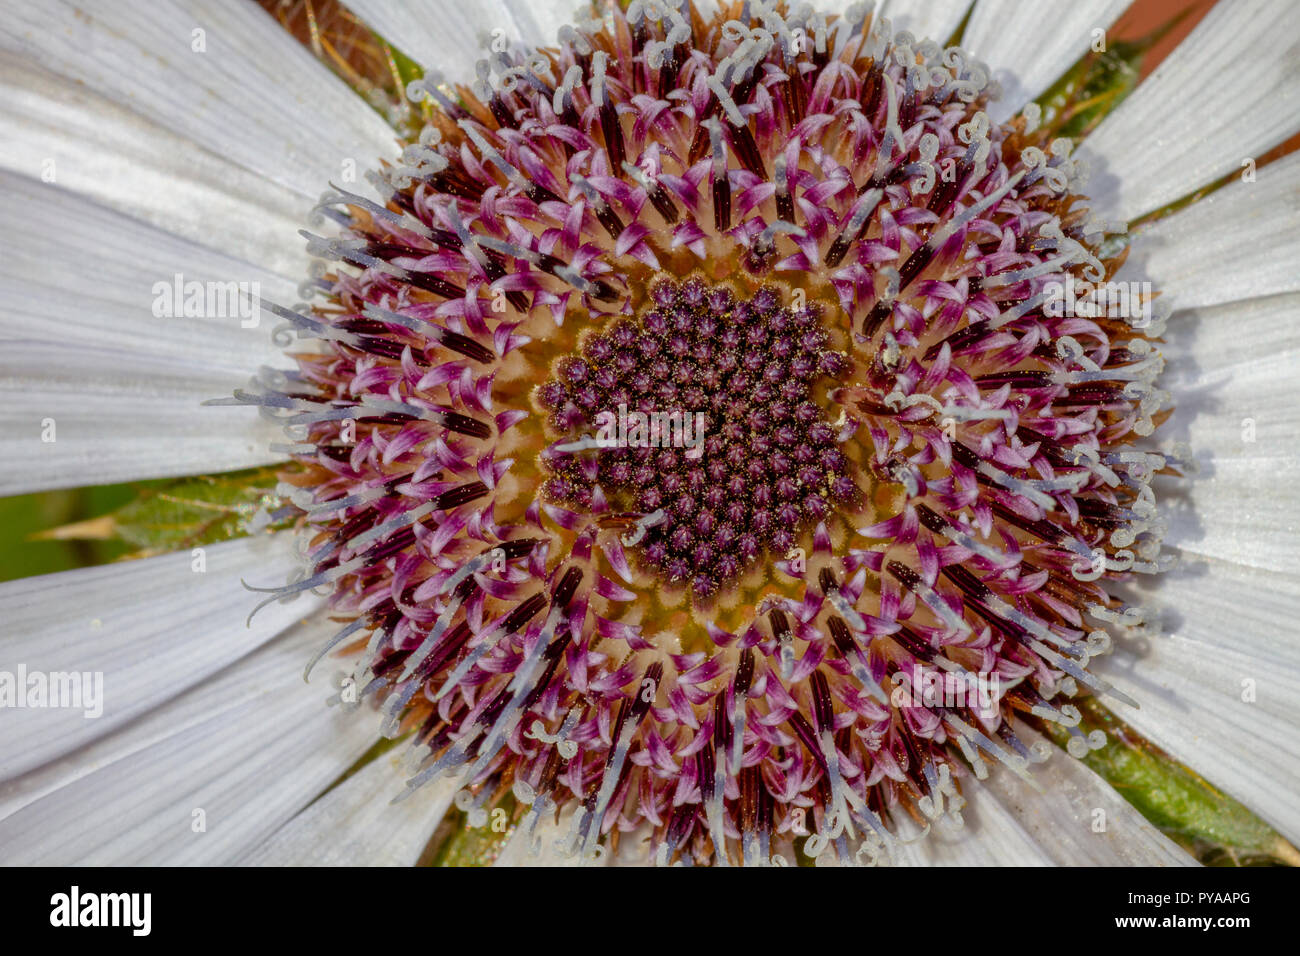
(698, 386)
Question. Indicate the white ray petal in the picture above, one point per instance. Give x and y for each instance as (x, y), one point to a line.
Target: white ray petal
(249, 748)
(1229, 91)
(73, 416)
(1079, 819)
(991, 835)
(933, 19)
(518, 849)
(540, 20)
(151, 628)
(1008, 823)
(357, 824)
(1244, 511)
(1029, 48)
(1232, 370)
(224, 75)
(1226, 362)
(449, 37)
(1221, 692)
(52, 296)
(138, 168)
(1239, 242)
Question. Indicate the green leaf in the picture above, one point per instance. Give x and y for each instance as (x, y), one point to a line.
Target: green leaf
(1209, 824)
(181, 513)
(404, 68)
(23, 517)
(1093, 88)
(1098, 83)
(464, 845)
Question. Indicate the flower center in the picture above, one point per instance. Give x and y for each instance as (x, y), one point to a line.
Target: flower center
(706, 425)
(955, 449)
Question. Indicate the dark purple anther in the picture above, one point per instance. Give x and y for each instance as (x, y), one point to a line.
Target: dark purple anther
(753, 476)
